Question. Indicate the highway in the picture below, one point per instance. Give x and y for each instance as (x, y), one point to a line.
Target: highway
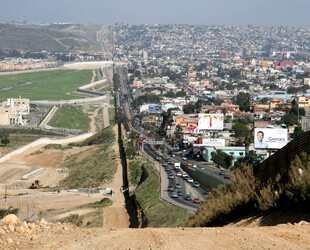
(149, 152)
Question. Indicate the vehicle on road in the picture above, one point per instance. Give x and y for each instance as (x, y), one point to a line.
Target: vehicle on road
(194, 166)
(184, 158)
(179, 192)
(171, 176)
(189, 164)
(173, 155)
(165, 163)
(185, 175)
(207, 190)
(167, 169)
(222, 172)
(178, 186)
(197, 200)
(177, 165)
(157, 158)
(196, 184)
(179, 173)
(170, 188)
(190, 180)
(174, 195)
(227, 176)
(188, 197)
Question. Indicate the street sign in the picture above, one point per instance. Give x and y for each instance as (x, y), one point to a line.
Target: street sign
(154, 142)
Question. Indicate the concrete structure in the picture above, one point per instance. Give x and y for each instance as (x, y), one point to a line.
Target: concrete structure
(11, 111)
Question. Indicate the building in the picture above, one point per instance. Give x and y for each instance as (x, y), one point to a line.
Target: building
(12, 110)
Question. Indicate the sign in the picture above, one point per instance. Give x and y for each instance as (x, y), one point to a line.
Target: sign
(211, 121)
(213, 142)
(154, 142)
(155, 109)
(265, 138)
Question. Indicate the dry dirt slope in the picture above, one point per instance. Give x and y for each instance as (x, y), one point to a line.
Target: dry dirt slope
(278, 237)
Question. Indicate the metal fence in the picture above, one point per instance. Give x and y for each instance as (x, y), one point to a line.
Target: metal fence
(279, 162)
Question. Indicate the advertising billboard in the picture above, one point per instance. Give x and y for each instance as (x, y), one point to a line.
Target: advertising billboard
(155, 109)
(211, 121)
(213, 142)
(265, 138)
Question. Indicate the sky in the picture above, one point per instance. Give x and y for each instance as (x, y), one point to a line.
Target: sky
(294, 13)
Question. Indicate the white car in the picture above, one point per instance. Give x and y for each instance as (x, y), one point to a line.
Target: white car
(184, 158)
(179, 173)
(194, 166)
(190, 180)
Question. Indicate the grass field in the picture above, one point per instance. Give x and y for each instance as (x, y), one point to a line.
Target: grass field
(48, 85)
(70, 117)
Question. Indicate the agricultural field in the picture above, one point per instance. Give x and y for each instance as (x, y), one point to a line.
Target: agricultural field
(48, 85)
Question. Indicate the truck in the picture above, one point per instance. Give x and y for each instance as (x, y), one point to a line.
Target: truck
(177, 165)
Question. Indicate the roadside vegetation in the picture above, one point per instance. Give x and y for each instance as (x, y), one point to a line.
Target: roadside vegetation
(247, 198)
(157, 212)
(48, 85)
(93, 166)
(71, 117)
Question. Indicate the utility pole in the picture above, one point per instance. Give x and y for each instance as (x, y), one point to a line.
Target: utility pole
(6, 198)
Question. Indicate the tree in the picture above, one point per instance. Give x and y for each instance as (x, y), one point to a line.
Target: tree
(5, 141)
(243, 100)
(222, 159)
(179, 135)
(240, 130)
(250, 159)
(297, 132)
(189, 108)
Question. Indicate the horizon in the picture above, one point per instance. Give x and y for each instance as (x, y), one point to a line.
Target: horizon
(285, 13)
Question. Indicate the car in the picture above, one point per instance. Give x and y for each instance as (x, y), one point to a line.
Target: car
(222, 172)
(227, 176)
(165, 163)
(171, 176)
(157, 158)
(196, 184)
(197, 200)
(173, 155)
(190, 180)
(185, 175)
(169, 162)
(174, 195)
(194, 166)
(207, 190)
(188, 197)
(167, 169)
(184, 158)
(179, 173)
(178, 186)
(170, 188)
(189, 164)
(179, 192)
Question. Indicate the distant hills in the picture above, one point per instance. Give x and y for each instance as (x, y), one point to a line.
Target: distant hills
(49, 37)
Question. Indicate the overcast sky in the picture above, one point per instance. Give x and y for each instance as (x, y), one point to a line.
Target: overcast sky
(207, 12)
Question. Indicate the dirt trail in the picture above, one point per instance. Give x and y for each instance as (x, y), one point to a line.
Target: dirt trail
(116, 215)
(93, 127)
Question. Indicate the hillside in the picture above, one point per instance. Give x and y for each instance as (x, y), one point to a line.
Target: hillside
(34, 39)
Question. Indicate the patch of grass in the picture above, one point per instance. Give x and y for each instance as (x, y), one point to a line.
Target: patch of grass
(93, 166)
(74, 219)
(135, 171)
(57, 146)
(112, 101)
(104, 202)
(112, 116)
(94, 219)
(99, 120)
(72, 117)
(48, 85)
(38, 152)
(158, 212)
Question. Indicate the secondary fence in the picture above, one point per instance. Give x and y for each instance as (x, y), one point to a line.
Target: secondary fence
(279, 162)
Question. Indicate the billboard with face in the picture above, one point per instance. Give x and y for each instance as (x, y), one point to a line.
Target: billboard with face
(211, 121)
(265, 138)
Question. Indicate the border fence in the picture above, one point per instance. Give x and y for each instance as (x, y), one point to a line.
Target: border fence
(279, 162)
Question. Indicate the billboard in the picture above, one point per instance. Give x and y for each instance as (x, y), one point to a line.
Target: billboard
(270, 138)
(155, 109)
(211, 121)
(213, 142)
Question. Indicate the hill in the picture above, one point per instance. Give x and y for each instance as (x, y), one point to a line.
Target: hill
(38, 39)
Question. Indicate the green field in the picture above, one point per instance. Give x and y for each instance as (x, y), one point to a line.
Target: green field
(70, 117)
(48, 85)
